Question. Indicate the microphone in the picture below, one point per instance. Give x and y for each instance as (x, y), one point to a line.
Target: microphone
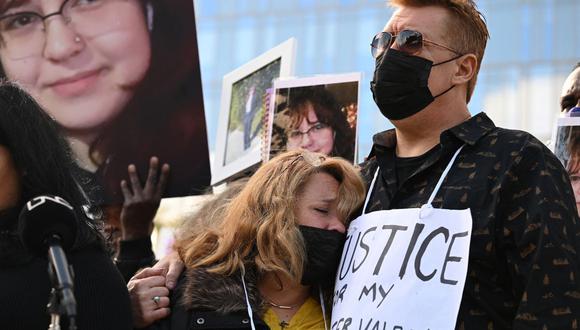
(49, 223)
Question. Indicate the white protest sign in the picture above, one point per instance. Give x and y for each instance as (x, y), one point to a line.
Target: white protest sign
(401, 272)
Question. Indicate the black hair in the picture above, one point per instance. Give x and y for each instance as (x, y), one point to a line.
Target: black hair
(41, 156)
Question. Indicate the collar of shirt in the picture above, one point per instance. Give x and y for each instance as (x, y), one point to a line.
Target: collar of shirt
(468, 132)
(384, 143)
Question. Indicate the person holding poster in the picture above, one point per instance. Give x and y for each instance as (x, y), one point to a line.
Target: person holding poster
(99, 68)
(466, 225)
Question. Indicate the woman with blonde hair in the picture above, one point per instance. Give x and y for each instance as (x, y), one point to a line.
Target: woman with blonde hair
(270, 261)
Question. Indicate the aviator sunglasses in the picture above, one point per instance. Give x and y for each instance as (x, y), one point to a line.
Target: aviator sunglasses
(407, 41)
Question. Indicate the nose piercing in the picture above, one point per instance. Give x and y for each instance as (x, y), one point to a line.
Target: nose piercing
(77, 39)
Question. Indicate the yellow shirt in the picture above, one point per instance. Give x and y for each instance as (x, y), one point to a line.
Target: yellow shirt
(309, 316)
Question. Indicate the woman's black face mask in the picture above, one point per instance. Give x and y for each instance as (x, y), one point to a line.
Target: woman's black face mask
(323, 250)
(400, 84)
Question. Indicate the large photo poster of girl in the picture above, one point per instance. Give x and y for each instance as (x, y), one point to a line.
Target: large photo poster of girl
(122, 80)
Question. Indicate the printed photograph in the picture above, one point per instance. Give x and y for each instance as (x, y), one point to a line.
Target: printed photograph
(246, 114)
(244, 103)
(317, 114)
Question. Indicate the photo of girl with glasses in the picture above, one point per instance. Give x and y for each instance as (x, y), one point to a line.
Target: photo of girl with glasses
(316, 118)
(100, 69)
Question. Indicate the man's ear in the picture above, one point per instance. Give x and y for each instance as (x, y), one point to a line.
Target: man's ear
(466, 69)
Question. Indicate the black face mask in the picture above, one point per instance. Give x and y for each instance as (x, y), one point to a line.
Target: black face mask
(323, 249)
(399, 84)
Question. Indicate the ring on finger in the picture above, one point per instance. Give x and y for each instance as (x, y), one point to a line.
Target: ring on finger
(156, 300)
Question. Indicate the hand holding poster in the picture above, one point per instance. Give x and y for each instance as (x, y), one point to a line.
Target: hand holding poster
(403, 269)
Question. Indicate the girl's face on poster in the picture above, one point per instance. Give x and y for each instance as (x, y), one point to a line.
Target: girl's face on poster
(311, 135)
(82, 65)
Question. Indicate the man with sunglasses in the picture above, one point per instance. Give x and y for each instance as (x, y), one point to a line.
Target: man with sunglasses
(522, 261)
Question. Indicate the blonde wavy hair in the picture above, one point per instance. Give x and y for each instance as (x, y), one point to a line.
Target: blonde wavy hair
(211, 212)
(260, 226)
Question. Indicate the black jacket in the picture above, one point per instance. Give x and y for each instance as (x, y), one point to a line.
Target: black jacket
(100, 292)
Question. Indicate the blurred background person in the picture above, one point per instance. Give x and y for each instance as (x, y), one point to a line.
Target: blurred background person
(570, 104)
(573, 163)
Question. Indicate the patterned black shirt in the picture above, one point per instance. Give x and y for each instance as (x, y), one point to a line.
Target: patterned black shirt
(523, 267)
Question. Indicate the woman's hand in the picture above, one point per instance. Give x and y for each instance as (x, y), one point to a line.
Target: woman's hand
(175, 266)
(141, 203)
(149, 297)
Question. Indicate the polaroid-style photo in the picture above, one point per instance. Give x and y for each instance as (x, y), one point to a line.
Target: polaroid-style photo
(315, 113)
(241, 120)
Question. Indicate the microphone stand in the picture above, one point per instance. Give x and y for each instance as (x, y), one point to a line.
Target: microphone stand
(54, 307)
(62, 300)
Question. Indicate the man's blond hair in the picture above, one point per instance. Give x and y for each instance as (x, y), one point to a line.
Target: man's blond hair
(467, 31)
